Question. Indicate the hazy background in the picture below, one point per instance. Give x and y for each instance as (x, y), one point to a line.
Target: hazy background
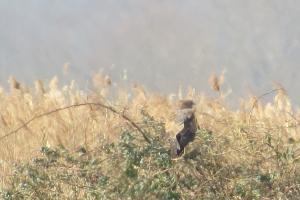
(161, 44)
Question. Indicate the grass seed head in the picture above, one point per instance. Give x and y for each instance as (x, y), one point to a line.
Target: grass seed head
(214, 82)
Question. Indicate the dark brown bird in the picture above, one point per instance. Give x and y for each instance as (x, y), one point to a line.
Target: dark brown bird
(185, 115)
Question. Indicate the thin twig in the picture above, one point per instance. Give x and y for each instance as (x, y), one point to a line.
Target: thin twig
(82, 104)
(256, 99)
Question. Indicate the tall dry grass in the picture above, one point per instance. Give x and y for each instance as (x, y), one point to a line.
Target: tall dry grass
(31, 118)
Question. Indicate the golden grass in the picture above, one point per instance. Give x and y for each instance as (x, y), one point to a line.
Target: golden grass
(31, 118)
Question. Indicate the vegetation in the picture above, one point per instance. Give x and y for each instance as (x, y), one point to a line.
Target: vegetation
(107, 144)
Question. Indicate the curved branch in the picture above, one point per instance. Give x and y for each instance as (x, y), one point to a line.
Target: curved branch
(82, 104)
(256, 99)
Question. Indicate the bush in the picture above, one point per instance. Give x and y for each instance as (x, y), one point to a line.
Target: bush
(133, 168)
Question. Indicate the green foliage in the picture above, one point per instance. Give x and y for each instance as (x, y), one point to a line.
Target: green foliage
(134, 169)
(125, 169)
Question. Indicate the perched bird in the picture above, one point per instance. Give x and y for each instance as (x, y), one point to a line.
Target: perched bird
(185, 114)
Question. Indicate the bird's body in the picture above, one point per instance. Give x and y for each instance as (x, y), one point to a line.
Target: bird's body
(180, 137)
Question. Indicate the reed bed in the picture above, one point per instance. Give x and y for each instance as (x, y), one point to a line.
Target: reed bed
(59, 133)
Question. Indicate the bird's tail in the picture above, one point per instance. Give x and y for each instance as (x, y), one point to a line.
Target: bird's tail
(174, 146)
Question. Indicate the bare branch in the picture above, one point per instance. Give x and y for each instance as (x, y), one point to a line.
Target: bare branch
(256, 99)
(82, 104)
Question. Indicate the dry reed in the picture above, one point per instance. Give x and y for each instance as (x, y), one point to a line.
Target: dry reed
(71, 118)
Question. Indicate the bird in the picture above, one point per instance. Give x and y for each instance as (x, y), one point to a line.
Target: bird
(179, 138)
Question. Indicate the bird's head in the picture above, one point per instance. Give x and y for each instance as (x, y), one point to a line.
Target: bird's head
(186, 104)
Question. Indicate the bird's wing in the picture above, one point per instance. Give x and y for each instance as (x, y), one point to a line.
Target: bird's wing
(183, 115)
(187, 134)
(172, 129)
